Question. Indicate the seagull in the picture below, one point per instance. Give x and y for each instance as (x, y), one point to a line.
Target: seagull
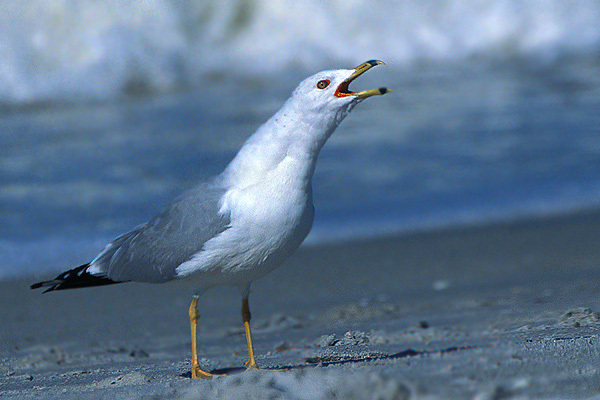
(243, 223)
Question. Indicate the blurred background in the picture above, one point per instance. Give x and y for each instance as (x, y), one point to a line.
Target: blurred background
(110, 109)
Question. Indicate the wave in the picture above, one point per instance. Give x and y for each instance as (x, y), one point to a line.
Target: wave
(83, 49)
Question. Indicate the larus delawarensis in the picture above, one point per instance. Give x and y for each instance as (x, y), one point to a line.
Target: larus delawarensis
(243, 223)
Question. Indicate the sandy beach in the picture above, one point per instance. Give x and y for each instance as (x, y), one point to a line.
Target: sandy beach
(455, 249)
(509, 310)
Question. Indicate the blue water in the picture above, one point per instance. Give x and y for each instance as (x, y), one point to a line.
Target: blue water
(108, 111)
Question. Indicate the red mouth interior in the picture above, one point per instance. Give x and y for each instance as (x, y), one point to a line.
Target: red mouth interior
(342, 90)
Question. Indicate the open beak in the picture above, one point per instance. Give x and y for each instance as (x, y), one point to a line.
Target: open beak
(343, 91)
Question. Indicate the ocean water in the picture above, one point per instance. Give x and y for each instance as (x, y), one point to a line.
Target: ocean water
(109, 110)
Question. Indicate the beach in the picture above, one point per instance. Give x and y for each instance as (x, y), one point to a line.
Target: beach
(454, 252)
(505, 310)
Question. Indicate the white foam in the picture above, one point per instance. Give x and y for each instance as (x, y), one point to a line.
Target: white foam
(76, 49)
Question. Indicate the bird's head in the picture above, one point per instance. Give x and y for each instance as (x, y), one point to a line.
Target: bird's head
(298, 131)
(328, 91)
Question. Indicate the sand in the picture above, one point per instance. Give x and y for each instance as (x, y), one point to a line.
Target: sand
(509, 310)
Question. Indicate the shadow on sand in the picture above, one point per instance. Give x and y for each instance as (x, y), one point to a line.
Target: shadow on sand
(340, 359)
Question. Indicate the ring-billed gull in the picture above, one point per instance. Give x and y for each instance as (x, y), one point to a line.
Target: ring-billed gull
(243, 223)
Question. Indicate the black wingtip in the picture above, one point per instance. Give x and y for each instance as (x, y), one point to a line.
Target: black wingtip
(36, 285)
(73, 278)
(42, 284)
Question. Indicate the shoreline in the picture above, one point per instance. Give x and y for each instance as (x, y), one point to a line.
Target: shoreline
(454, 313)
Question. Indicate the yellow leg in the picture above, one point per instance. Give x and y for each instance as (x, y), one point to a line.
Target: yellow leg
(251, 363)
(197, 372)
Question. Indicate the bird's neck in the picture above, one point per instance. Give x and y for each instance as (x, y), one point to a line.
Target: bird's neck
(288, 143)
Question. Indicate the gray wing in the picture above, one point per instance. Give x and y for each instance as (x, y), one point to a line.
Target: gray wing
(151, 252)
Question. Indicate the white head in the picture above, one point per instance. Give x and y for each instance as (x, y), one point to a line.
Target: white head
(327, 92)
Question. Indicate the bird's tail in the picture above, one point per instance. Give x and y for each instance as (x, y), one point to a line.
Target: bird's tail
(73, 278)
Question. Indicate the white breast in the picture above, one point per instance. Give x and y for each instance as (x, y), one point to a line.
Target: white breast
(270, 217)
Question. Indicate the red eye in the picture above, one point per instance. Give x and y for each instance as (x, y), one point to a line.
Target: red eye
(323, 84)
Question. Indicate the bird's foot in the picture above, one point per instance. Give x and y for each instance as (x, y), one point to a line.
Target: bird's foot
(199, 373)
(251, 364)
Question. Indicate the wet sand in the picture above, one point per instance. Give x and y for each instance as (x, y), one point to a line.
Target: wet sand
(509, 310)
